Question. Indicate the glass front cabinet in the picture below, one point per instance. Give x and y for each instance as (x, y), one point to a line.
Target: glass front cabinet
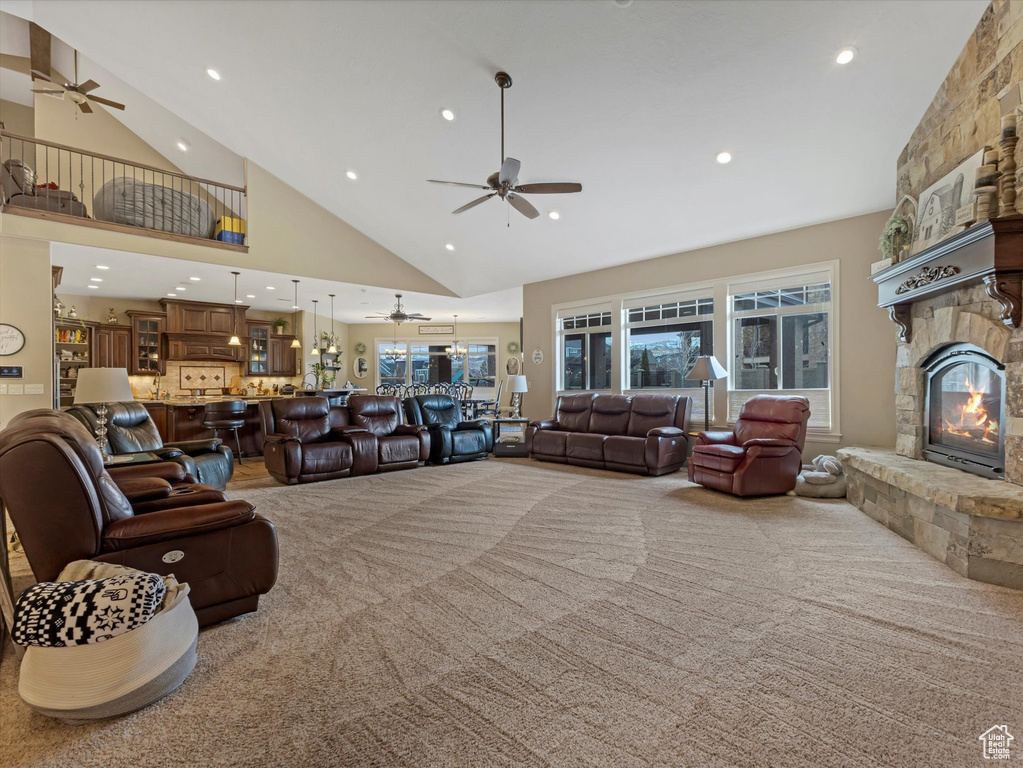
(147, 329)
(259, 348)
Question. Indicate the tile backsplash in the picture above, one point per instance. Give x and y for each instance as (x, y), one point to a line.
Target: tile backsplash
(217, 375)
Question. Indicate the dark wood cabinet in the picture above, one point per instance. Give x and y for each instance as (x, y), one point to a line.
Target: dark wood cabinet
(181, 349)
(147, 355)
(158, 413)
(113, 347)
(258, 347)
(283, 360)
(197, 330)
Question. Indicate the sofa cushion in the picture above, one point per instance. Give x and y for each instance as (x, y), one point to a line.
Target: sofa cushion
(547, 442)
(306, 418)
(380, 414)
(466, 441)
(434, 409)
(573, 413)
(772, 416)
(621, 449)
(326, 457)
(609, 415)
(651, 411)
(581, 445)
(397, 449)
(722, 458)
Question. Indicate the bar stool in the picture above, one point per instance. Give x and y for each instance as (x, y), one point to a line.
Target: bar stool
(228, 415)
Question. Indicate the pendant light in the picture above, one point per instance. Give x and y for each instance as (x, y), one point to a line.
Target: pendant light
(295, 343)
(332, 349)
(234, 340)
(454, 352)
(316, 338)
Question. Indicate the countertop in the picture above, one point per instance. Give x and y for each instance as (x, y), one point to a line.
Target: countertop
(193, 403)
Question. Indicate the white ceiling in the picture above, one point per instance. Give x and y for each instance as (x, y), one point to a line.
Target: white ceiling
(160, 276)
(633, 102)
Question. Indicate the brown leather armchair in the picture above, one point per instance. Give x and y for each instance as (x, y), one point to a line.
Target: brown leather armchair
(66, 506)
(762, 455)
(399, 446)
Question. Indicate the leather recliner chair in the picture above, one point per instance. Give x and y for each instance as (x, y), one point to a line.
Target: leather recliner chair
(762, 455)
(130, 429)
(451, 438)
(66, 506)
(399, 445)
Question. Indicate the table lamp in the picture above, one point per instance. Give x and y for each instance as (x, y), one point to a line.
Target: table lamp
(707, 369)
(517, 385)
(99, 386)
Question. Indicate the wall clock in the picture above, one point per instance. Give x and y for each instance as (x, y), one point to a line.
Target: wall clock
(537, 356)
(11, 339)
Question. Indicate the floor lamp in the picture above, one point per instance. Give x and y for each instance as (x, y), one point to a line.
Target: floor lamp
(99, 386)
(707, 369)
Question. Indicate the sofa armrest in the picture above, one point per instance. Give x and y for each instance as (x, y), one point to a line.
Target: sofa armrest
(436, 427)
(769, 447)
(192, 447)
(347, 430)
(717, 438)
(139, 489)
(171, 524)
(548, 424)
(409, 429)
(167, 452)
(773, 442)
(665, 432)
(473, 424)
(279, 439)
(171, 471)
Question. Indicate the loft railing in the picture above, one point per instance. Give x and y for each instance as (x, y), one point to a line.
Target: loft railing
(42, 178)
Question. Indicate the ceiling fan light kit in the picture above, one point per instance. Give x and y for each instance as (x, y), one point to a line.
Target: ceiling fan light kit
(398, 315)
(504, 183)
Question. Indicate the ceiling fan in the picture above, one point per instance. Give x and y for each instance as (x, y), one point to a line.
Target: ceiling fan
(504, 183)
(398, 315)
(39, 42)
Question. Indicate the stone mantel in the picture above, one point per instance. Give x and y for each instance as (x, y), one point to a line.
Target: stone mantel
(991, 253)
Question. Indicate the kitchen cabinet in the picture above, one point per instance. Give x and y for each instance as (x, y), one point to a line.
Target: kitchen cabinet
(184, 349)
(146, 357)
(198, 330)
(181, 422)
(113, 347)
(258, 351)
(283, 360)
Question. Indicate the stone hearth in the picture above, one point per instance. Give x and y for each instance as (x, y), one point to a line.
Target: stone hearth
(971, 524)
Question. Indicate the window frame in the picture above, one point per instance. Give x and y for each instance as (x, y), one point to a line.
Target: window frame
(587, 332)
(433, 341)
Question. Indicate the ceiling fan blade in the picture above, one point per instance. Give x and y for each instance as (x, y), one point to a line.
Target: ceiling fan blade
(474, 203)
(88, 85)
(550, 188)
(84, 106)
(39, 50)
(105, 102)
(509, 171)
(420, 317)
(40, 76)
(523, 206)
(458, 184)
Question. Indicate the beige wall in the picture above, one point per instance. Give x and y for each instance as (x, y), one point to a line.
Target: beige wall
(370, 332)
(17, 118)
(25, 302)
(866, 337)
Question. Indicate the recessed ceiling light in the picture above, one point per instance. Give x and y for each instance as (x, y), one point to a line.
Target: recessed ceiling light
(554, 215)
(270, 288)
(724, 157)
(183, 145)
(447, 114)
(351, 175)
(180, 288)
(102, 266)
(96, 279)
(173, 295)
(250, 295)
(213, 73)
(846, 55)
(449, 246)
(195, 279)
(238, 301)
(94, 287)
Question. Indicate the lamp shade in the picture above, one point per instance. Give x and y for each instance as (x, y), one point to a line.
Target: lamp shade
(103, 385)
(517, 384)
(707, 368)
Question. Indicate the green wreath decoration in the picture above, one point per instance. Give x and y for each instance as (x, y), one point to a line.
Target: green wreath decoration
(897, 232)
(360, 348)
(513, 347)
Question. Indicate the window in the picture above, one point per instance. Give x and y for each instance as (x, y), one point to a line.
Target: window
(781, 341)
(403, 363)
(664, 341)
(585, 342)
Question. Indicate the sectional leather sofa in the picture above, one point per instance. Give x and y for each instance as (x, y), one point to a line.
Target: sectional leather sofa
(642, 434)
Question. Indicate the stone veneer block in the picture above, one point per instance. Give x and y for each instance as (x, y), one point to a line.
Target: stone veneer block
(971, 524)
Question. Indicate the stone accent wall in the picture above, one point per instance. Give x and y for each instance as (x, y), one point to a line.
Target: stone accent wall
(965, 315)
(966, 111)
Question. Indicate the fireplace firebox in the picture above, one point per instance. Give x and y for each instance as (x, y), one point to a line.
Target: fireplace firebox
(965, 415)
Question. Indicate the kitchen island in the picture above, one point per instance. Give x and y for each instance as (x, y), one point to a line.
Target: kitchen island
(181, 418)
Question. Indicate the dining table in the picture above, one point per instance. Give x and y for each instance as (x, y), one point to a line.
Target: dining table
(471, 406)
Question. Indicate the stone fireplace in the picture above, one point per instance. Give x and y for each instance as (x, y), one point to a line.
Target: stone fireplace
(954, 483)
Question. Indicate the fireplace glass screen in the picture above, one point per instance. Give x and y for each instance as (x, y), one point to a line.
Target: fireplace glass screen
(965, 409)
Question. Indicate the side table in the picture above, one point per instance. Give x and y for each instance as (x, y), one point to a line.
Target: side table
(510, 438)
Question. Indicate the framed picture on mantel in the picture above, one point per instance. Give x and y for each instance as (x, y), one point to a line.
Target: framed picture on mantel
(938, 209)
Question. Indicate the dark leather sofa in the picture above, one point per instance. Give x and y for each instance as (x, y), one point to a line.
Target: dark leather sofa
(641, 434)
(306, 439)
(130, 429)
(761, 455)
(451, 438)
(66, 506)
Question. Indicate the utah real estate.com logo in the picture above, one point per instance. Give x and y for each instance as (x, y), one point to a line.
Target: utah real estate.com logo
(996, 742)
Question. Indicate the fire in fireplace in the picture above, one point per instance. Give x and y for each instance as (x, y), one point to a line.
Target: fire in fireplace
(965, 410)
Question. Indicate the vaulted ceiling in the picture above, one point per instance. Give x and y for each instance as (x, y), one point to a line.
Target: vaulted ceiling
(634, 102)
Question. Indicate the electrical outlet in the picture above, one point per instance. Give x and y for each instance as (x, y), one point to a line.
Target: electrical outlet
(3, 389)
(15, 389)
(33, 389)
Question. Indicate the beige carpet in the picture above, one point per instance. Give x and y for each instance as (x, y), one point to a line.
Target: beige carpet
(508, 613)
